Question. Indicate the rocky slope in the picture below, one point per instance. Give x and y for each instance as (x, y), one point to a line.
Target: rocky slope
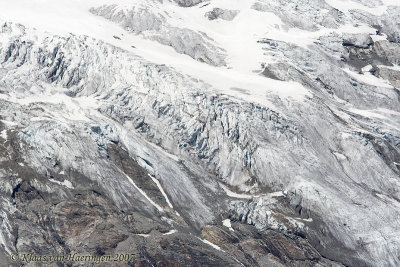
(255, 133)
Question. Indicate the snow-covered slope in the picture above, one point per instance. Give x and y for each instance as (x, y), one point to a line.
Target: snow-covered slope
(281, 117)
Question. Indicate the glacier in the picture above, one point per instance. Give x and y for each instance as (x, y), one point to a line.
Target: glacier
(240, 133)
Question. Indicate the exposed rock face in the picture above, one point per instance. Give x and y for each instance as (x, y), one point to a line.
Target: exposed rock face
(389, 74)
(218, 13)
(281, 150)
(379, 58)
(136, 20)
(388, 22)
(188, 3)
(308, 15)
(193, 44)
(268, 248)
(153, 26)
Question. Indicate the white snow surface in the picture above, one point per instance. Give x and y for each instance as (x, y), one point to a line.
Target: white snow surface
(63, 17)
(210, 244)
(3, 134)
(288, 133)
(64, 183)
(173, 231)
(227, 223)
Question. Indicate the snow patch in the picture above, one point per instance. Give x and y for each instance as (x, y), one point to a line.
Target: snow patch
(9, 123)
(144, 235)
(346, 135)
(65, 183)
(227, 223)
(305, 220)
(144, 194)
(209, 243)
(161, 190)
(339, 156)
(367, 68)
(173, 231)
(247, 196)
(3, 135)
(276, 194)
(233, 194)
(368, 78)
(377, 38)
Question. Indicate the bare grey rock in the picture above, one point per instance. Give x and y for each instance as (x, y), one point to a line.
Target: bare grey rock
(135, 19)
(188, 3)
(389, 74)
(155, 27)
(303, 14)
(218, 13)
(387, 23)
